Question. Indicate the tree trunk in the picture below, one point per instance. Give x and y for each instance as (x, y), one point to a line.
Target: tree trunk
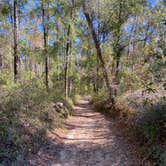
(99, 53)
(68, 52)
(116, 79)
(45, 18)
(97, 74)
(69, 78)
(67, 62)
(15, 30)
(118, 56)
(1, 62)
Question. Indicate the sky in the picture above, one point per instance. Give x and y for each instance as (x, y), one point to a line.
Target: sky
(34, 3)
(153, 3)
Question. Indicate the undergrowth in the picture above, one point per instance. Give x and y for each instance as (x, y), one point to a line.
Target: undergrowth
(100, 101)
(27, 113)
(145, 120)
(147, 123)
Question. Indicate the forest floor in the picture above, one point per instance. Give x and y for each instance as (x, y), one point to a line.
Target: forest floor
(89, 139)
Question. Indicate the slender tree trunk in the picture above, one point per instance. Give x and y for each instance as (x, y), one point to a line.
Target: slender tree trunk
(94, 85)
(118, 47)
(26, 64)
(97, 74)
(67, 62)
(68, 52)
(15, 31)
(116, 79)
(69, 78)
(99, 53)
(45, 18)
(118, 56)
(1, 61)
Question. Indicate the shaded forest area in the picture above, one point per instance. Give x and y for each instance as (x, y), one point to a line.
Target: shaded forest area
(52, 52)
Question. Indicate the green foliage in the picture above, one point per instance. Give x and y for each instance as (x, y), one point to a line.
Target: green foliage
(2, 81)
(100, 100)
(158, 153)
(76, 98)
(152, 123)
(144, 115)
(27, 113)
(4, 9)
(129, 81)
(131, 36)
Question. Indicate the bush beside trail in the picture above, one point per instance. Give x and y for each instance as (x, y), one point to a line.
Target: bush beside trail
(143, 114)
(27, 114)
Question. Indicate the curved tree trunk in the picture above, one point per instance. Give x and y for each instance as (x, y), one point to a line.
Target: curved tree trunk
(98, 50)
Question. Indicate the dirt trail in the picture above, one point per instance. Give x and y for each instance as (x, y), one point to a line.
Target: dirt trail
(90, 140)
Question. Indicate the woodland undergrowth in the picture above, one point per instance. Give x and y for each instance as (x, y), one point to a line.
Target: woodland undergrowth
(27, 114)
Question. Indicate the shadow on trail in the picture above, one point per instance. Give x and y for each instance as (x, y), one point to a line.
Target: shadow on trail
(91, 142)
(108, 154)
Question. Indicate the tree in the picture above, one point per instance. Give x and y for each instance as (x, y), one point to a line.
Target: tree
(98, 50)
(45, 21)
(68, 49)
(15, 33)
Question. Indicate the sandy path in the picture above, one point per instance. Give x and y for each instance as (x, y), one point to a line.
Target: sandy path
(91, 140)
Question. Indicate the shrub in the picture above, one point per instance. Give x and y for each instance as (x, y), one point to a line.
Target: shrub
(147, 123)
(26, 115)
(76, 98)
(100, 101)
(151, 124)
(158, 153)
